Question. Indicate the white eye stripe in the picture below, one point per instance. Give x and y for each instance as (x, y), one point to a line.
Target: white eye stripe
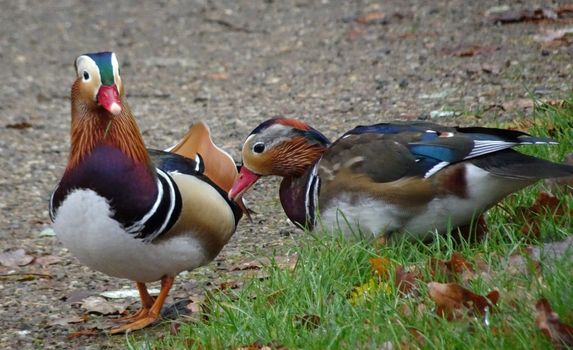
(115, 67)
(87, 64)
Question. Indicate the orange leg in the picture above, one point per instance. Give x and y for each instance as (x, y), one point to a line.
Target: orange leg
(153, 313)
(146, 304)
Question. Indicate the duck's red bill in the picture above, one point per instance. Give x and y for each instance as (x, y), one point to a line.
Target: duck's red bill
(244, 181)
(108, 98)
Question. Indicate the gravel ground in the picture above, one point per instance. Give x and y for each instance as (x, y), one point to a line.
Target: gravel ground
(233, 64)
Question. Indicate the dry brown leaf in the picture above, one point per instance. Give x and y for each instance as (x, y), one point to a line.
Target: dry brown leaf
(231, 284)
(247, 265)
(548, 322)
(522, 15)
(553, 37)
(218, 76)
(455, 302)
(545, 203)
(458, 263)
(99, 305)
(15, 257)
(451, 270)
(46, 260)
(380, 266)
(19, 126)
(90, 332)
(374, 17)
(518, 104)
(406, 280)
(468, 50)
(64, 321)
(564, 10)
(286, 262)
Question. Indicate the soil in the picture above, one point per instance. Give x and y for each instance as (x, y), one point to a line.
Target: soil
(233, 64)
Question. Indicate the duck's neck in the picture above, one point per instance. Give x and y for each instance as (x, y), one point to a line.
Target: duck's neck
(108, 156)
(298, 197)
(93, 127)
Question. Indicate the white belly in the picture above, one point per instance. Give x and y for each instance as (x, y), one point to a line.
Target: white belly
(84, 226)
(368, 217)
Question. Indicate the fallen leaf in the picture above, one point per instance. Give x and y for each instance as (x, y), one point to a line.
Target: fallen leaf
(99, 305)
(46, 260)
(458, 263)
(367, 291)
(67, 320)
(77, 295)
(491, 68)
(231, 284)
(406, 280)
(218, 76)
(247, 265)
(374, 17)
(553, 251)
(518, 104)
(545, 204)
(355, 32)
(379, 266)
(195, 305)
(468, 50)
(15, 257)
(286, 262)
(126, 293)
(454, 302)
(47, 232)
(19, 126)
(553, 37)
(564, 10)
(522, 15)
(452, 270)
(91, 332)
(548, 322)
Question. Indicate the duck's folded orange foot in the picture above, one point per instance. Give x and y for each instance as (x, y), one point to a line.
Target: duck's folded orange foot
(141, 313)
(142, 322)
(153, 313)
(147, 302)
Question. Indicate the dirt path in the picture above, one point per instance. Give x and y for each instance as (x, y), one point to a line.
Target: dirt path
(233, 64)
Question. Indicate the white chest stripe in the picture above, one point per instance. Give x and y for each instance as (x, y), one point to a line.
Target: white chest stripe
(311, 195)
(139, 225)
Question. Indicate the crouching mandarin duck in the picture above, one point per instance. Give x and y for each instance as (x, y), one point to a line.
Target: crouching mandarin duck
(388, 178)
(129, 212)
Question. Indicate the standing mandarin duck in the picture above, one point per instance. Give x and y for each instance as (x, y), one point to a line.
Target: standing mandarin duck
(129, 212)
(390, 177)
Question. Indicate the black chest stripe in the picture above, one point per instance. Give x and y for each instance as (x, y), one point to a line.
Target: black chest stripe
(164, 212)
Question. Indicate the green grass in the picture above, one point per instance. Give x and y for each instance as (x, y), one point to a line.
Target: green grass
(311, 307)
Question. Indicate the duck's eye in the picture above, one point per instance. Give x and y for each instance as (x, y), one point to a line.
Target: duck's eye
(86, 75)
(259, 147)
